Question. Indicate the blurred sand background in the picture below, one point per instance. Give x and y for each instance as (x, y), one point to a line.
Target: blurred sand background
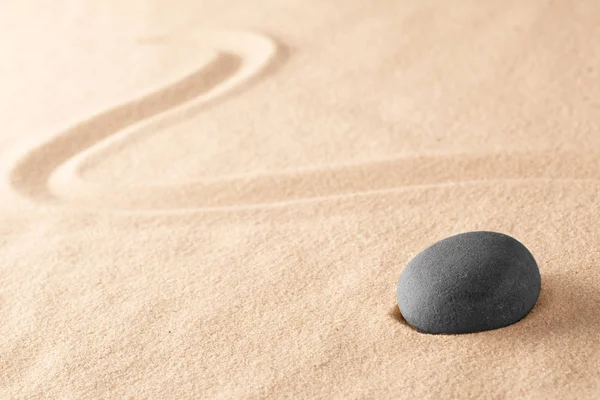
(216, 199)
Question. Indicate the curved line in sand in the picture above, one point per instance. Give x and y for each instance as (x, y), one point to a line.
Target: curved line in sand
(319, 184)
(52, 171)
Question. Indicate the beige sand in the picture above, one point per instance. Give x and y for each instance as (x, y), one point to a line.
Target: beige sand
(215, 199)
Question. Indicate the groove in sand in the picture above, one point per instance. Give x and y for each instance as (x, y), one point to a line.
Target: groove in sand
(241, 57)
(51, 172)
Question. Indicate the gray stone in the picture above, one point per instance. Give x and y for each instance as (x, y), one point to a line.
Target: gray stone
(469, 282)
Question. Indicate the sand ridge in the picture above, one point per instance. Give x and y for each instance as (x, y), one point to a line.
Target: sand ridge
(240, 56)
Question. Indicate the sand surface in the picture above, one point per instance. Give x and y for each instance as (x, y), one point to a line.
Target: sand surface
(216, 199)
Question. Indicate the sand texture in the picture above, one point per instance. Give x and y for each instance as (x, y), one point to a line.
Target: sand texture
(209, 199)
